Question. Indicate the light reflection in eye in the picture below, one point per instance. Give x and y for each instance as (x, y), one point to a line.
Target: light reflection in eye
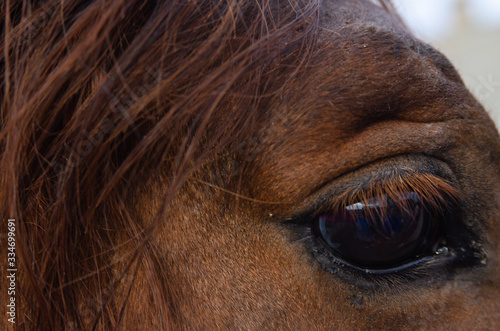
(380, 232)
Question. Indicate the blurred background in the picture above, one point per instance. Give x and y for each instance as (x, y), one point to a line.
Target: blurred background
(468, 33)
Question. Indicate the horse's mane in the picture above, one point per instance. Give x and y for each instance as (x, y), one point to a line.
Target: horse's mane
(99, 96)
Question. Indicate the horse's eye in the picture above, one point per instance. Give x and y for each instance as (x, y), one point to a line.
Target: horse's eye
(380, 233)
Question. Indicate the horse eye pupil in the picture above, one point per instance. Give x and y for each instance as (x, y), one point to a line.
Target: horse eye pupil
(378, 234)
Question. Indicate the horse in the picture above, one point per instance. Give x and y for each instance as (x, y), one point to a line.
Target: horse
(261, 164)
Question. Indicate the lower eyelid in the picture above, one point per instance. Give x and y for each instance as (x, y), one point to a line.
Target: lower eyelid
(433, 269)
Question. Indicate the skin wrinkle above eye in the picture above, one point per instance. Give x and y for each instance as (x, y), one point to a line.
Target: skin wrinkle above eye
(366, 146)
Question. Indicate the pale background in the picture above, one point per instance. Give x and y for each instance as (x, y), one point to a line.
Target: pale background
(468, 33)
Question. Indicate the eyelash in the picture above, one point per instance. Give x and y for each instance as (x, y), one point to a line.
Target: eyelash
(435, 193)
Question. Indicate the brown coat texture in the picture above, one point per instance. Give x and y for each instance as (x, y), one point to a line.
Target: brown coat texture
(166, 161)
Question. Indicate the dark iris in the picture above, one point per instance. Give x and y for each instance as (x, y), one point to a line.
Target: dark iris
(379, 233)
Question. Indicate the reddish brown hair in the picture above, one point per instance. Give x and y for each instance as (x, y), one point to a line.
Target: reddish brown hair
(97, 95)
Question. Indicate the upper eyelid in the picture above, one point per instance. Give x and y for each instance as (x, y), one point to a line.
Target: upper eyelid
(329, 190)
(444, 191)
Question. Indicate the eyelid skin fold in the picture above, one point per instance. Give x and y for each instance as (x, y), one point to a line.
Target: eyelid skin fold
(429, 178)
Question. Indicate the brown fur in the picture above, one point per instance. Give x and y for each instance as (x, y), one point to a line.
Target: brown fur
(155, 154)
